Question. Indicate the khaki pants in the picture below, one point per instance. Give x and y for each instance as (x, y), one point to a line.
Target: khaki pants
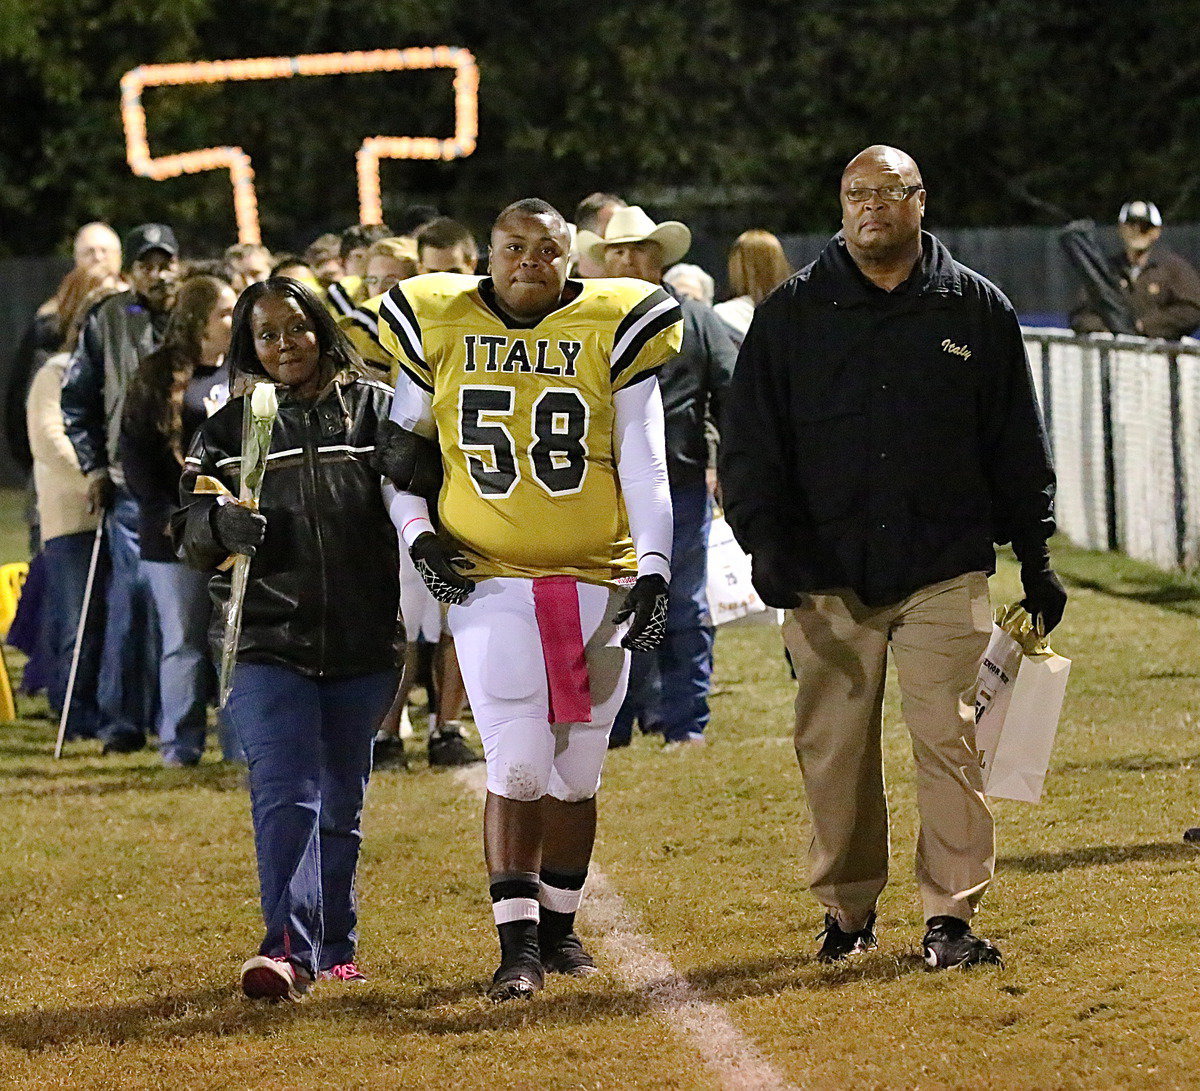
(839, 649)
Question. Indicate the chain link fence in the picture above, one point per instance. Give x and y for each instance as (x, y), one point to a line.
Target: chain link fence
(1123, 416)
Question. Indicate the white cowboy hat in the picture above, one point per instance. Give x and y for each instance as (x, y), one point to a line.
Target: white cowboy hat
(633, 225)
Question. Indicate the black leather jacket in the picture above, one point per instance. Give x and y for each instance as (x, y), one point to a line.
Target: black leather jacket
(116, 336)
(324, 585)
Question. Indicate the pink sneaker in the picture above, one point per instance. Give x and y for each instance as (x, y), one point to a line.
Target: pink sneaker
(343, 971)
(265, 978)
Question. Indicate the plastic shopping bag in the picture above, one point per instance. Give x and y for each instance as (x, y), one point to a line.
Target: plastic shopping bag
(1018, 702)
(731, 594)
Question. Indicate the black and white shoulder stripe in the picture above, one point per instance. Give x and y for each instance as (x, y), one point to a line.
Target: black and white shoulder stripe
(397, 313)
(651, 316)
(366, 322)
(340, 299)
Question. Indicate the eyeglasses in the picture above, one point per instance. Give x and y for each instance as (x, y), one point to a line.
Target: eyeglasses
(885, 193)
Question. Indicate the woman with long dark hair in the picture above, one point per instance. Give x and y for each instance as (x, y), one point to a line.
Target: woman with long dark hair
(171, 394)
(315, 666)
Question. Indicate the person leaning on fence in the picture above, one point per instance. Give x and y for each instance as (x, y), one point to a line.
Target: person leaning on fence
(315, 663)
(1159, 289)
(881, 433)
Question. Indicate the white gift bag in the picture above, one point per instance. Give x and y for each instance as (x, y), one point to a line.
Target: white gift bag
(1018, 701)
(731, 594)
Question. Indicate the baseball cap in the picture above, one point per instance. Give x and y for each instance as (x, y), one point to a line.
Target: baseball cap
(1140, 212)
(147, 237)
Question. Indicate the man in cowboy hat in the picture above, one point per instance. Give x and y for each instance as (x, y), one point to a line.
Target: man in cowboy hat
(633, 245)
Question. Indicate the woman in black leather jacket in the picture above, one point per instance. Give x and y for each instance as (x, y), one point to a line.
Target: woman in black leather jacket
(316, 662)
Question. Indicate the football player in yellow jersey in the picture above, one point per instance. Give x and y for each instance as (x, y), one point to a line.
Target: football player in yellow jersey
(528, 403)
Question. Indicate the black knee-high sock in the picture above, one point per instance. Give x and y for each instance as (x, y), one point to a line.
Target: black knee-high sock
(560, 895)
(515, 909)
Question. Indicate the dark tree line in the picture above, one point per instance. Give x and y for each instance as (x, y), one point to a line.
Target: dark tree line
(720, 112)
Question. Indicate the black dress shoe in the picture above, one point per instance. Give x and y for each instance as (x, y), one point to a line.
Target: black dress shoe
(949, 943)
(837, 944)
(127, 742)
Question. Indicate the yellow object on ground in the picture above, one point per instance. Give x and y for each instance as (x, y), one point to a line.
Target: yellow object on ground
(12, 579)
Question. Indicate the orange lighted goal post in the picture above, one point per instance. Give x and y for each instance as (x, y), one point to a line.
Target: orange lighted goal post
(237, 162)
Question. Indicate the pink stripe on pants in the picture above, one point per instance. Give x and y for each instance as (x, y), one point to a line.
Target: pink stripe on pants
(556, 607)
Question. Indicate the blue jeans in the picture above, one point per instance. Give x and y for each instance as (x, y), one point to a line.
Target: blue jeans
(67, 558)
(128, 693)
(308, 745)
(668, 688)
(186, 679)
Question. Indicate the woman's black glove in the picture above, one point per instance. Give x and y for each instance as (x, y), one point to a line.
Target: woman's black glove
(439, 566)
(646, 603)
(1045, 596)
(238, 529)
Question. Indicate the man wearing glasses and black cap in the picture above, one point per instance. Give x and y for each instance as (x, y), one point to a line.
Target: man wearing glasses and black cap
(117, 334)
(1161, 289)
(880, 434)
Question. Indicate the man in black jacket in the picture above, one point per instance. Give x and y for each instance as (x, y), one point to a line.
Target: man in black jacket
(881, 434)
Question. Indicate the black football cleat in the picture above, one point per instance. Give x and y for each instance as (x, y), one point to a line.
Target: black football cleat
(1192, 836)
(949, 943)
(568, 957)
(516, 979)
(838, 945)
(447, 747)
(387, 752)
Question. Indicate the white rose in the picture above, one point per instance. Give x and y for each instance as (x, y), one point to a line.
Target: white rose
(264, 403)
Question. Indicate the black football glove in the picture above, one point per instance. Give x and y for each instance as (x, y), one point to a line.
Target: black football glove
(1045, 596)
(440, 566)
(646, 603)
(239, 529)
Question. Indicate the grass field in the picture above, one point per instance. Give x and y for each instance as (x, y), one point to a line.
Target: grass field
(128, 900)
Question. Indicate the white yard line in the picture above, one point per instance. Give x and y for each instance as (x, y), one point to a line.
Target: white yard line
(731, 1057)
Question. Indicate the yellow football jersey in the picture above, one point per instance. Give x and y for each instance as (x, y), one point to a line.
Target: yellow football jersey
(524, 415)
(361, 327)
